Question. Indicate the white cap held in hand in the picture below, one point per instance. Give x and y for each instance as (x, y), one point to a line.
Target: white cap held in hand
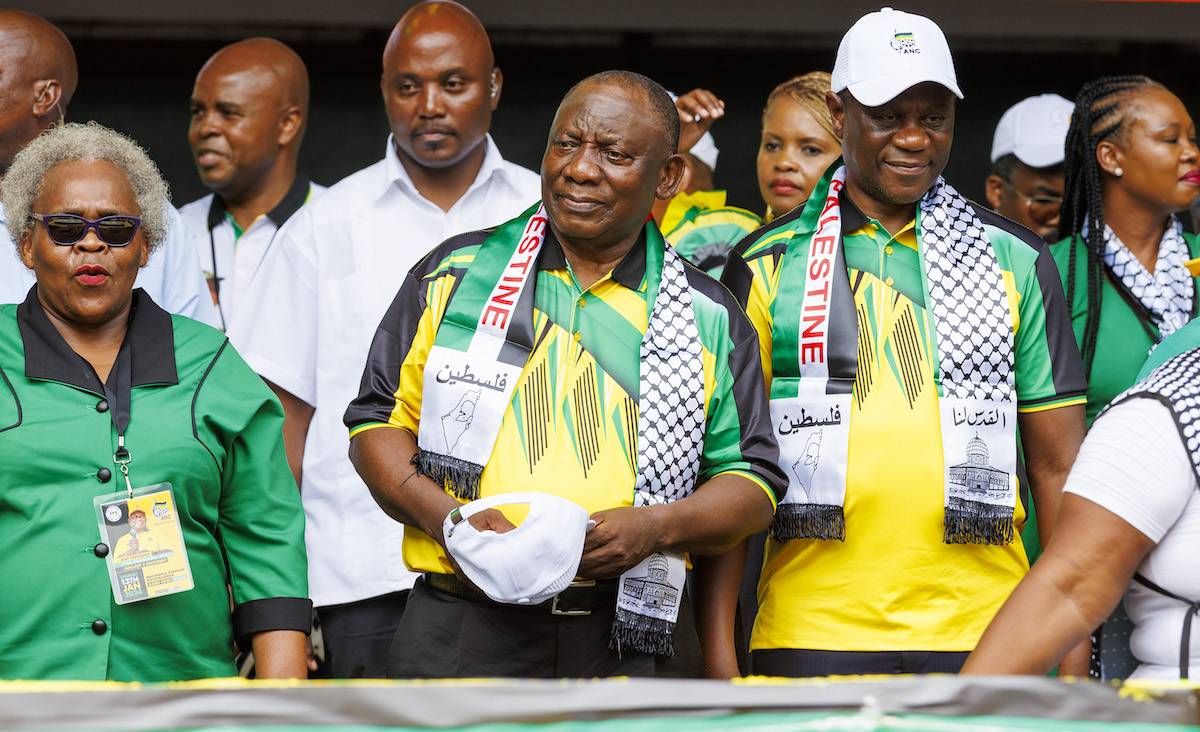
(1035, 130)
(889, 51)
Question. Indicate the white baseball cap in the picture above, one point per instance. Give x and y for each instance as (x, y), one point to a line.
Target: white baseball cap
(1035, 130)
(525, 566)
(889, 51)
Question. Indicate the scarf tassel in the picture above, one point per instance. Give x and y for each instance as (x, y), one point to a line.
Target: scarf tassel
(642, 633)
(460, 477)
(978, 527)
(808, 521)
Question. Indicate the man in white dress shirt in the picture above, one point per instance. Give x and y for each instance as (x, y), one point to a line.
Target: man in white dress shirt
(307, 320)
(36, 84)
(249, 110)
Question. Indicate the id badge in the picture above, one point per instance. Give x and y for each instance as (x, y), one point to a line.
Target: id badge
(147, 557)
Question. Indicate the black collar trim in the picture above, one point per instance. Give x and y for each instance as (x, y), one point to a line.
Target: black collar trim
(853, 219)
(629, 272)
(291, 203)
(150, 339)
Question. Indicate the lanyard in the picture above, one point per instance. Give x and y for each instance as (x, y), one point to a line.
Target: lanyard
(119, 396)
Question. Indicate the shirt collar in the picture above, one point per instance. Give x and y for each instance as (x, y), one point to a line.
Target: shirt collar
(150, 338)
(394, 172)
(291, 202)
(629, 272)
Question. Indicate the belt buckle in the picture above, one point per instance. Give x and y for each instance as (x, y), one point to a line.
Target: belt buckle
(554, 605)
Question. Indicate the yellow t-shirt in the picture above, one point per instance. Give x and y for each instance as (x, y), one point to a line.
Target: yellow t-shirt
(893, 584)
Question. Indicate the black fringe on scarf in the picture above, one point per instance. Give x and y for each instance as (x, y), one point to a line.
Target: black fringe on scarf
(459, 476)
(808, 521)
(641, 633)
(978, 523)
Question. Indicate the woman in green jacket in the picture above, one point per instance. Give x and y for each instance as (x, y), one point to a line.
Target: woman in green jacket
(1131, 164)
(144, 478)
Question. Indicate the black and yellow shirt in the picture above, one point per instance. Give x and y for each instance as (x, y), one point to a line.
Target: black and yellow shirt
(572, 426)
(200, 420)
(893, 584)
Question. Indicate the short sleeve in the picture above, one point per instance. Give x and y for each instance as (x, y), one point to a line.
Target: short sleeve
(394, 376)
(275, 326)
(1049, 371)
(1133, 464)
(261, 520)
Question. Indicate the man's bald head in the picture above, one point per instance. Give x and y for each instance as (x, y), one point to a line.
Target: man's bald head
(440, 85)
(248, 113)
(658, 101)
(38, 75)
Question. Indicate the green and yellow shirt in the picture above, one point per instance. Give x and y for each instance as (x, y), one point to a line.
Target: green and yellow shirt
(894, 585)
(571, 428)
(1127, 332)
(201, 420)
(703, 229)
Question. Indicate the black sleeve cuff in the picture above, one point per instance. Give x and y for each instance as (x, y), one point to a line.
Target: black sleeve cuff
(271, 613)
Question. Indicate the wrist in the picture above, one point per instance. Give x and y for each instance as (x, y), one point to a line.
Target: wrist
(662, 530)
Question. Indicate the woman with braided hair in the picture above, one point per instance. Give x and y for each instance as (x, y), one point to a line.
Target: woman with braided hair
(1131, 164)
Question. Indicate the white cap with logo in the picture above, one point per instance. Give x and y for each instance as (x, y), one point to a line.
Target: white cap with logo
(889, 51)
(529, 564)
(1035, 130)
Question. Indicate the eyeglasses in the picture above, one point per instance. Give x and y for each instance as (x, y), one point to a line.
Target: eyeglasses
(67, 229)
(1043, 208)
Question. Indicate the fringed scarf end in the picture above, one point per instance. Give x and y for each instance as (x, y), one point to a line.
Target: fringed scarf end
(808, 521)
(459, 476)
(641, 633)
(978, 528)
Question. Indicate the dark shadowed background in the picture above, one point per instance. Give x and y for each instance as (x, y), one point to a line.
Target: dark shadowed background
(137, 63)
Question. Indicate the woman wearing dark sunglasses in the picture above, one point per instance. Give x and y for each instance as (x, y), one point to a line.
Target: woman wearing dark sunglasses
(144, 470)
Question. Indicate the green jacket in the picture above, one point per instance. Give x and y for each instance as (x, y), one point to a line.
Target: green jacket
(1126, 334)
(201, 420)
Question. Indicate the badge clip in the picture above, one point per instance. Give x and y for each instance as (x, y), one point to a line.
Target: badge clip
(122, 458)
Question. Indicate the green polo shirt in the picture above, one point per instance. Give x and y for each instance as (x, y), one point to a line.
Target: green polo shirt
(200, 420)
(1126, 335)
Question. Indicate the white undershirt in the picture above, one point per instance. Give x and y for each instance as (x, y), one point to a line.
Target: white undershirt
(1133, 463)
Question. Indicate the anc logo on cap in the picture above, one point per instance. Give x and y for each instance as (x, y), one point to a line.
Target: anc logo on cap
(903, 42)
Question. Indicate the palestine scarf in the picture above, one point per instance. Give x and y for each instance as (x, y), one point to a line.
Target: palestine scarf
(1176, 384)
(481, 347)
(815, 356)
(1168, 293)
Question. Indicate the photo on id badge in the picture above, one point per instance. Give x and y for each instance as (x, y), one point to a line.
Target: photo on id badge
(147, 557)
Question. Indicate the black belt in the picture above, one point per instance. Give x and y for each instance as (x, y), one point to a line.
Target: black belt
(1192, 609)
(580, 597)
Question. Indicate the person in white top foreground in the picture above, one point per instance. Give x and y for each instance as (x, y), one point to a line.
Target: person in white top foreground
(37, 84)
(249, 110)
(1028, 149)
(1129, 524)
(307, 320)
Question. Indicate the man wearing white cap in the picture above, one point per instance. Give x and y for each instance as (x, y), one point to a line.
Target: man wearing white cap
(905, 332)
(1026, 182)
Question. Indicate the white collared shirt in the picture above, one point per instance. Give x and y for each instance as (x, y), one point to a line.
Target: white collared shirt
(172, 277)
(306, 323)
(211, 233)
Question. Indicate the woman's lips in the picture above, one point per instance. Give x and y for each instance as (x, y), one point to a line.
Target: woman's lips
(92, 275)
(784, 187)
(1191, 178)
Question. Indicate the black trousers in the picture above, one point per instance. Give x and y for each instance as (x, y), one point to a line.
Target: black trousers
(799, 663)
(444, 636)
(357, 636)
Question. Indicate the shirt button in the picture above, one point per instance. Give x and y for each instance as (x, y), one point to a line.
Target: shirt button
(888, 250)
(578, 336)
(582, 302)
(103, 475)
(101, 550)
(102, 406)
(889, 282)
(99, 627)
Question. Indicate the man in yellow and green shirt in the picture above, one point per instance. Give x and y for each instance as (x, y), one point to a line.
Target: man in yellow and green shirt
(893, 596)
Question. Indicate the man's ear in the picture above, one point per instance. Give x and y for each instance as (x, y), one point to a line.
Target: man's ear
(495, 86)
(837, 110)
(48, 98)
(993, 191)
(671, 178)
(290, 125)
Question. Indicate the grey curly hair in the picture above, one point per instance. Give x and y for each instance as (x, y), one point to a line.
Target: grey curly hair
(87, 142)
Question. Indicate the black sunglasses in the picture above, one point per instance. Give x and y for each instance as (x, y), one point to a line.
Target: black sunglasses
(67, 229)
